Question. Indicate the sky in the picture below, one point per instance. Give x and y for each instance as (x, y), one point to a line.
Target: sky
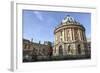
(40, 25)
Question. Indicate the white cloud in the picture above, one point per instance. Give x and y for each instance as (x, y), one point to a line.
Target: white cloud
(38, 15)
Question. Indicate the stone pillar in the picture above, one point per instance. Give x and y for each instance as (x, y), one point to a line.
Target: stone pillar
(79, 34)
(73, 35)
(63, 35)
(55, 39)
(66, 34)
(70, 34)
(84, 35)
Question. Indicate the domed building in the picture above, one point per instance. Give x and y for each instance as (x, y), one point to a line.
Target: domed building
(70, 38)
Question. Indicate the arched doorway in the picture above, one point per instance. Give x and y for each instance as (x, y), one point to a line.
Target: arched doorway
(79, 49)
(60, 50)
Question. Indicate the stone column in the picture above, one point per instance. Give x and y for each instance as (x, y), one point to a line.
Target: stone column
(55, 39)
(66, 34)
(84, 35)
(63, 35)
(79, 34)
(70, 34)
(74, 47)
(73, 35)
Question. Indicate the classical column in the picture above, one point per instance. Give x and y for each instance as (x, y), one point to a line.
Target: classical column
(55, 38)
(73, 35)
(64, 35)
(70, 34)
(84, 35)
(79, 34)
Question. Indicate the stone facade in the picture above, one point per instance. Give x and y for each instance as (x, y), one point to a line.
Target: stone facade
(33, 51)
(70, 38)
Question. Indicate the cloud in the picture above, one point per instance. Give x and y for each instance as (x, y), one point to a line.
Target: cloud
(38, 15)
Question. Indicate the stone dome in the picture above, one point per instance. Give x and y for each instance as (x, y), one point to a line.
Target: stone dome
(69, 20)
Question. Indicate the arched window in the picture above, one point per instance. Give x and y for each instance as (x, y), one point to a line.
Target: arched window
(69, 49)
(79, 49)
(60, 50)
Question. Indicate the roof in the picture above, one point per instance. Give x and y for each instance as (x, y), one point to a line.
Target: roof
(69, 20)
(34, 44)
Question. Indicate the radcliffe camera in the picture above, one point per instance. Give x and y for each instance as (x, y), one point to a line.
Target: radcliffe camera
(56, 36)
